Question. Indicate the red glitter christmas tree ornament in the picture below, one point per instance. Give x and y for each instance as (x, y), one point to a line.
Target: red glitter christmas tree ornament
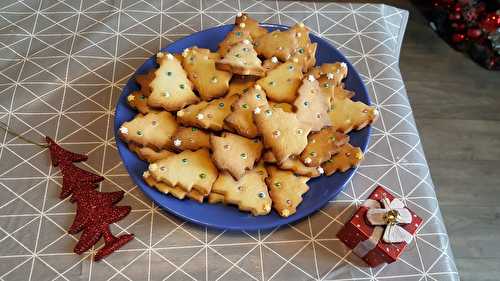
(95, 210)
(73, 177)
(94, 213)
(59, 154)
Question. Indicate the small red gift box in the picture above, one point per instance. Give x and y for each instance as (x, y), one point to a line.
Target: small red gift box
(367, 232)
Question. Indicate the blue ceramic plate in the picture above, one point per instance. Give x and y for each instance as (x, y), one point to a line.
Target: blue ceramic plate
(322, 189)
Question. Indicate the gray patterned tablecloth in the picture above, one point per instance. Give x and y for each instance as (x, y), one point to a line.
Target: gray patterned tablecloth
(62, 67)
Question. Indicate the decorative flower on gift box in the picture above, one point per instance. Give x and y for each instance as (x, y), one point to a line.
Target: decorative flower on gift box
(391, 215)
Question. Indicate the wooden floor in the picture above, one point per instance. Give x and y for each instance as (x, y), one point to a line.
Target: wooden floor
(456, 104)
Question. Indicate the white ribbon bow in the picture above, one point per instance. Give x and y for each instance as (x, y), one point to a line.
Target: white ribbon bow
(393, 213)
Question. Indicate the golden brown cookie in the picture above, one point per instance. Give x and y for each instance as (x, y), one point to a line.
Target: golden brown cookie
(249, 192)
(286, 190)
(207, 79)
(322, 146)
(282, 132)
(241, 59)
(170, 89)
(335, 72)
(188, 170)
(286, 107)
(138, 101)
(340, 92)
(306, 51)
(148, 154)
(347, 157)
(215, 198)
(212, 116)
(312, 106)
(347, 115)
(270, 64)
(240, 85)
(177, 192)
(281, 84)
(241, 119)
(237, 35)
(280, 44)
(154, 129)
(190, 138)
(144, 80)
(189, 116)
(245, 22)
(235, 153)
(293, 164)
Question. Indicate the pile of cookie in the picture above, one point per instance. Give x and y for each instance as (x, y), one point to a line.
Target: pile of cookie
(231, 128)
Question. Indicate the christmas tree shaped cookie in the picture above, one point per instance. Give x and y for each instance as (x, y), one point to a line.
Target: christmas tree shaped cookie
(239, 86)
(235, 153)
(207, 115)
(148, 154)
(177, 192)
(212, 116)
(249, 192)
(293, 164)
(154, 129)
(347, 115)
(279, 44)
(347, 157)
(138, 101)
(189, 116)
(282, 132)
(207, 79)
(188, 170)
(281, 83)
(312, 106)
(322, 146)
(335, 72)
(286, 190)
(236, 36)
(306, 51)
(170, 89)
(190, 138)
(241, 119)
(242, 59)
(245, 22)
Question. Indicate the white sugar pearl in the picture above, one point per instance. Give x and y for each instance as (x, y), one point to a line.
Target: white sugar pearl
(177, 142)
(124, 130)
(145, 174)
(321, 171)
(258, 87)
(239, 14)
(274, 60)
(307, 160)
(311, 78)
(343, 65)
(330, 76)
(257, 110)
(170, 57)
(200, 116)
(246, 41)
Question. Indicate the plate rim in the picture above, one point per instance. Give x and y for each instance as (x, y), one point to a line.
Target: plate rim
(122, 146)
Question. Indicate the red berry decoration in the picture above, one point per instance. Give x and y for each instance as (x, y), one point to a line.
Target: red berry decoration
(474, 33)
(458, 37)
(95, 210)
(491, 22)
